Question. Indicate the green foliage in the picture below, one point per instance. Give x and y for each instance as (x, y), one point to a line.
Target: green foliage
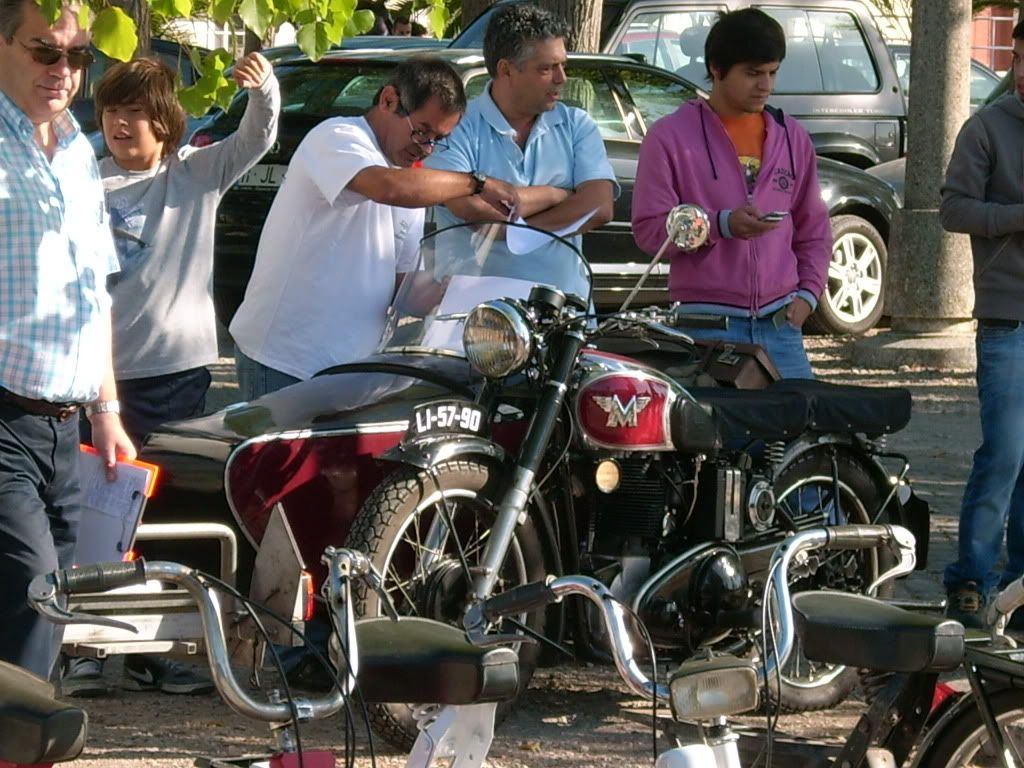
(113, 32)
(212, 88)
(320, 24)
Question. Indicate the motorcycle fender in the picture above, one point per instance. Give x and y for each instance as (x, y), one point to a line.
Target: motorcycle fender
(430, 452)
(939, 720)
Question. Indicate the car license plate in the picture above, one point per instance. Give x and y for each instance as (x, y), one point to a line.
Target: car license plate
(446, 417)
(262, 177)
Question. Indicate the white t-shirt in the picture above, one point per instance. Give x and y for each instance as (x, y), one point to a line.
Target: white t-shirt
(327, 259)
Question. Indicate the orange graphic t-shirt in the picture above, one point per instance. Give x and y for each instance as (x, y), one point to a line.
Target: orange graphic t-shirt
(747, 133)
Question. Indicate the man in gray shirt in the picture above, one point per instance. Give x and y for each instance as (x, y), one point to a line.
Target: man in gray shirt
(984, 197)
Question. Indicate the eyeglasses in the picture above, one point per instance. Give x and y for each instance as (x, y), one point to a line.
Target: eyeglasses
(48, 55)
(419, 136)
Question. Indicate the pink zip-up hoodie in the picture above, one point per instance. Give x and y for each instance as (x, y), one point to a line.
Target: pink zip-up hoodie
(688, 157)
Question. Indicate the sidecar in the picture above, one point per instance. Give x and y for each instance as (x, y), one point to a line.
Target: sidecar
(315, 448)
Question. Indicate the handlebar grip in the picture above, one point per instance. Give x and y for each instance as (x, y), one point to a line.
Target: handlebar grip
(100, 577)
(858, 536)
(518, 600)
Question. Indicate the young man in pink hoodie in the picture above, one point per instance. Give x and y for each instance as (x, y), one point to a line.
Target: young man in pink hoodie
(754, 171)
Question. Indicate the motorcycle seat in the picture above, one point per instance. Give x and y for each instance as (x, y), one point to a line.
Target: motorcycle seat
(418, 660)
(34, 728)
(748, 414)
(858, 631)
(847, 408)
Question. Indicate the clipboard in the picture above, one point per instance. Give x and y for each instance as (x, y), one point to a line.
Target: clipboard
(111, 511)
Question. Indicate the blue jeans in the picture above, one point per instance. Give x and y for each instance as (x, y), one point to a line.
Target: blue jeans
(785, 345)
(994, 496)
(256, 379)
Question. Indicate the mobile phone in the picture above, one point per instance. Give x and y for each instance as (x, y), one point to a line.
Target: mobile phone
(774, 216)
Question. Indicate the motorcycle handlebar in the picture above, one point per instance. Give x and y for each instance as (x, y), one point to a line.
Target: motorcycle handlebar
(776, 589)
(106, 576)
(858, 536)
(100, 578)
(522, 599)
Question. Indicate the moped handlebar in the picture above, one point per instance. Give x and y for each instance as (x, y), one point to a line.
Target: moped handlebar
(794, 548)
(45, 593)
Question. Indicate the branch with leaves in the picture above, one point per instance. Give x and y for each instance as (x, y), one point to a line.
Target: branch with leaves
(320, 25)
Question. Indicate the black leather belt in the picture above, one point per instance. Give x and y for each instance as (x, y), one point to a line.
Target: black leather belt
(994, 322)
(58, 411)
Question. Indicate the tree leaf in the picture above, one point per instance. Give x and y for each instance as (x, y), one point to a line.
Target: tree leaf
(171, 9)
(313, 40)
(222, 10)
(360, 23)
(257, 15)
(113, 32)
(439, 18)
(52, 9)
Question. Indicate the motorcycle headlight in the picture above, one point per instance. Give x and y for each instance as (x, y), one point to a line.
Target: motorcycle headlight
(705, 689)
(496, 339)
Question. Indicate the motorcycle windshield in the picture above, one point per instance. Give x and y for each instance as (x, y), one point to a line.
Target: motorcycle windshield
(459, 267)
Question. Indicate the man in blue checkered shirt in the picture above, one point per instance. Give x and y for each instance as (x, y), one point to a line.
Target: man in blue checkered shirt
(56, 251)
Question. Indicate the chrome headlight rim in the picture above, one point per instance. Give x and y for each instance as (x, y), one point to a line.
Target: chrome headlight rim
(518, 330)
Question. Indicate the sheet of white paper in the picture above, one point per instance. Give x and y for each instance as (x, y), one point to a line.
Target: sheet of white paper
(110, 509)
(522, 240)
(463, 293)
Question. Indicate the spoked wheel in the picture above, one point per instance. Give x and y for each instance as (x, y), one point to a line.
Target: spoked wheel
(964, 741)
(807, 493)
(402, 529)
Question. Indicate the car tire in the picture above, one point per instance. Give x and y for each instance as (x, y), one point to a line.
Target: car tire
(853, 299)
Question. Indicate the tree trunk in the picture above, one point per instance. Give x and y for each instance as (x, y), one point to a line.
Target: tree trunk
(584, 20)
(473, 8)
(139, 11)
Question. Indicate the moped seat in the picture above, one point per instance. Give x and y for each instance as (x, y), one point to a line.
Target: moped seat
(748, 414)
(34, 728)
(858, 631)
(418, 660)
(846, 408)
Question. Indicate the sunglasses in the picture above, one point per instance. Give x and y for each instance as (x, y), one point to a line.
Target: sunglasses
(48, 55)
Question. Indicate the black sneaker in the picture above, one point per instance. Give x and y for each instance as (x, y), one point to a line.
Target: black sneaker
(152, 673)
(966, 604)
(83, 677)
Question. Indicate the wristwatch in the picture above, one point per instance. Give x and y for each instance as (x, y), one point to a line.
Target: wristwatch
(102, 406)
(479, 180)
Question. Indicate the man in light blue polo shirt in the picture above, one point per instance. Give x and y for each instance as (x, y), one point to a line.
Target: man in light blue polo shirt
(517, 130)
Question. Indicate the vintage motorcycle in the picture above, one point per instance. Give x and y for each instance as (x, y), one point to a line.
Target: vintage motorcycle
(674, 495)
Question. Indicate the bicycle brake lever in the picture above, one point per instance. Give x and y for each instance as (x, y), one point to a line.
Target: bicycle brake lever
(42, 597)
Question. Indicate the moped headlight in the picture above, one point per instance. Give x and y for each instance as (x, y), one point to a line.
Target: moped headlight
(705, 689)
(496, 339)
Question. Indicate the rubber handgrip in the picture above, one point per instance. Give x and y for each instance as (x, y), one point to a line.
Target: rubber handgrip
(858, 536)
(101, 577)
(518, 600)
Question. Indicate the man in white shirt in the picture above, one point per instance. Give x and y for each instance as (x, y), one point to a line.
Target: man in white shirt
(345, 224)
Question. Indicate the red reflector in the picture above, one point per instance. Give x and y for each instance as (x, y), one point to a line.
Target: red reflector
(942, 692)
(201, 139)
(307, 609)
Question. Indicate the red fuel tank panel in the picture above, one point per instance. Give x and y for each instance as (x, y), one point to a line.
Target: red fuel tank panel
(626, 411)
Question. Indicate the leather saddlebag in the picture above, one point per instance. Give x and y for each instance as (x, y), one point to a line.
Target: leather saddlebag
(732, 364)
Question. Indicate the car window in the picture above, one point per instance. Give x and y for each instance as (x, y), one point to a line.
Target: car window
(983, 82)
(670, 40)
(322, 91)
(655, 95)
(825, 53)
(585, 88)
